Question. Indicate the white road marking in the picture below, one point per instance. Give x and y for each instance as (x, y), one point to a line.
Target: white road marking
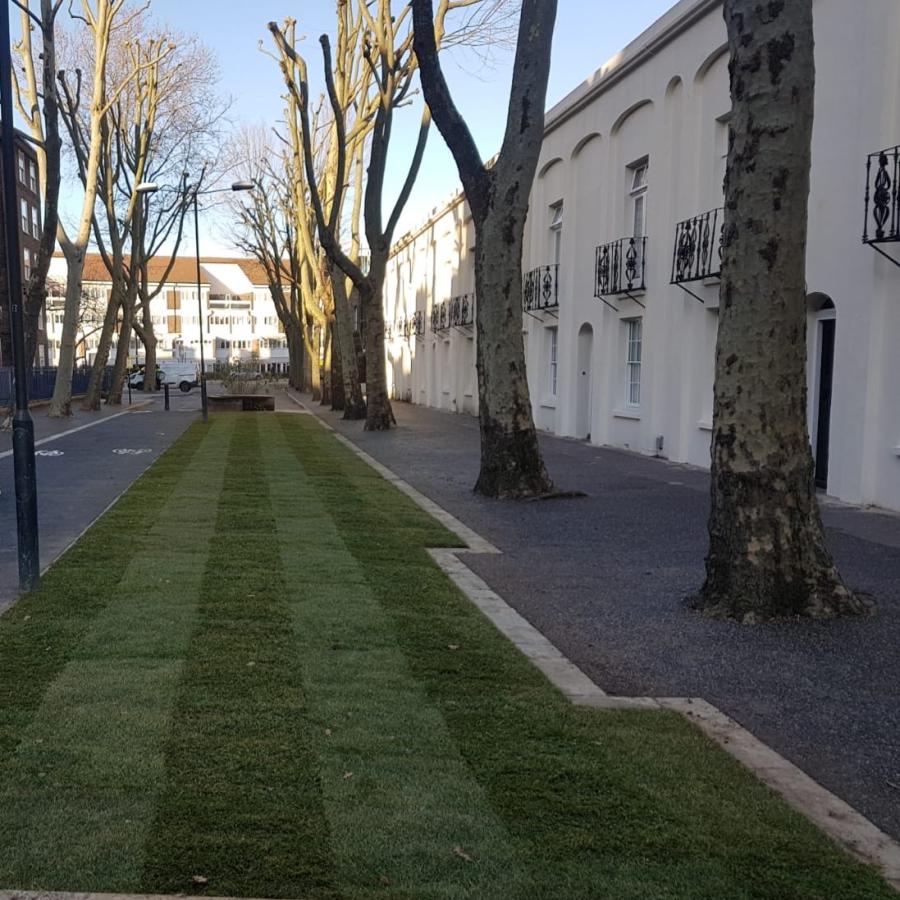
(62, 434)
(125, 451)
(49, 453)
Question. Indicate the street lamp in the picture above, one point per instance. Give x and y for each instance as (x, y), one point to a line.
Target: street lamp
(23, 426)
(151, 187)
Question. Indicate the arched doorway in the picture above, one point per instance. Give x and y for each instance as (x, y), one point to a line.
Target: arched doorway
(823, 324)
(583, 380)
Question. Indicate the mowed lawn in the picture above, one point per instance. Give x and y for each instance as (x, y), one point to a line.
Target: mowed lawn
(249, 679)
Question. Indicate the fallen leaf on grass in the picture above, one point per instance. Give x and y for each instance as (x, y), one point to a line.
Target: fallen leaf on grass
(201, 880)
(347, 775)
(453, 646)
(383, 879)
(458, 851)
(327, 732)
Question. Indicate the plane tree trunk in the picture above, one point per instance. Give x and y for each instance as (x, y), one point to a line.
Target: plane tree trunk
(511, 461)
(767, 556)
(379, 413)
(120, 367)
(95, 383)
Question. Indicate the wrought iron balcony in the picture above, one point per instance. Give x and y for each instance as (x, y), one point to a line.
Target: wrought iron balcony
(462, 311)
(619, 266)
(698, 247)
(440, 317)
(417, 323)
(882, 222)
(541, 289)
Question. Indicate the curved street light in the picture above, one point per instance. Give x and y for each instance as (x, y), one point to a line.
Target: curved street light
(151, 187)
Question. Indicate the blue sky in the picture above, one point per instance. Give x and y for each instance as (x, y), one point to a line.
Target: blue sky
(588, 32)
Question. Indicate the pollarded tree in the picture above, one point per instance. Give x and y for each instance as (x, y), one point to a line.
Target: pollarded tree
(100, 18)
(767, 556)
(38, 104)
(511, 462)
(320, 168)
(385, 44)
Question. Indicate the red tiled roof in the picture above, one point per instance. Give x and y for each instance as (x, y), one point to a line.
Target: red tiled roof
(184, 270)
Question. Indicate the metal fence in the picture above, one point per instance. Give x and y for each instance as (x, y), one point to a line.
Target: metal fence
(43, 380)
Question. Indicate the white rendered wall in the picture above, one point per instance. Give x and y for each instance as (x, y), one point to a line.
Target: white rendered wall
(664, 100)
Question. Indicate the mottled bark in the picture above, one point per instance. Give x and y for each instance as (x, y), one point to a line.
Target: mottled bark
(95, 383)
(326, 398)
(511, 461)
(120, 367)
(379, 414)
(354, 404)
(767, 557)
(61, 402)
(338, 397)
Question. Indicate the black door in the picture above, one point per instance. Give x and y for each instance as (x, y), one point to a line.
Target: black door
(826, 371)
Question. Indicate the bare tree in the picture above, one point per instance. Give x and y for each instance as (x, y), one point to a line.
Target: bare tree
(325, 166)
(385, 39)
(271, 223)
(511, 462)
(99, 18)
(38, 105)
(767, 557)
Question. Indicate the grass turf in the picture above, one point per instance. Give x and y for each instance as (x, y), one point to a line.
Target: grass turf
(291, 700)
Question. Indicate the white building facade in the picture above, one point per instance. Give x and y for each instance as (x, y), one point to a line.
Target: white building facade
(621, 257)
(240, 322)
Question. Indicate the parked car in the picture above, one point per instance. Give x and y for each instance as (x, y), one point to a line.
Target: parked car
(168, 372)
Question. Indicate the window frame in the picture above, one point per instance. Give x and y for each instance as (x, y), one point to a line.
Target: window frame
(634, 357)
(637, 196)
(557, 212)
(553, 361)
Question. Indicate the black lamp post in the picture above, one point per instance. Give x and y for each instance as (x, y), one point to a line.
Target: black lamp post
(23, 426)
(150, 187)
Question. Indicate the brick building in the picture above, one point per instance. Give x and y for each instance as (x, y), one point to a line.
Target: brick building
(28, 221)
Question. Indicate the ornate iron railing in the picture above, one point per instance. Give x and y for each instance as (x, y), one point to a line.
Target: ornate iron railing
(540, 290)
(698, 247)
(882, 223)
(417, 323)
(440, 317)
(462, 311)
(619, 266)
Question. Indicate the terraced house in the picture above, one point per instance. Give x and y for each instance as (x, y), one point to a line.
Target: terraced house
(240, 322)
(622, 255)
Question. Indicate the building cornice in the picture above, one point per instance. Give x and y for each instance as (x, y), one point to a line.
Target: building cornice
(681, 17)
(643, 48)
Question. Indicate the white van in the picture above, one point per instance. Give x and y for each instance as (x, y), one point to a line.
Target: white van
(183, 374)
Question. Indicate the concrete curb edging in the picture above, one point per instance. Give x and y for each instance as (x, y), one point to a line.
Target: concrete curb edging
(841, 822)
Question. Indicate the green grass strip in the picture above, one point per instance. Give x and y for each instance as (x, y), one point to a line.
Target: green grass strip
(78, 796)
(39, 632)
(243, 807)
(404, 809)
(599, 804)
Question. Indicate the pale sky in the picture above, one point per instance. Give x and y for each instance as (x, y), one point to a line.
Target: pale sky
(588, 32)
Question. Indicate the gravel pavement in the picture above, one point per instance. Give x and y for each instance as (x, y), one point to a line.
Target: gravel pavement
(604, 578)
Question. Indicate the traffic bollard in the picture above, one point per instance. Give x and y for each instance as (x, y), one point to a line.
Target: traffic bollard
(166, 391)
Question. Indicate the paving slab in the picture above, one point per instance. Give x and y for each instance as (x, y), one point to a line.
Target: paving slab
(604, 578)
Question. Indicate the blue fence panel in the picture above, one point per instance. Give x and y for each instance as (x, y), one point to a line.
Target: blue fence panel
(43, 380)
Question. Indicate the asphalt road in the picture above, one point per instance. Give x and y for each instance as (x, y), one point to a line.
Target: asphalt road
(83, 464)
(604, 578)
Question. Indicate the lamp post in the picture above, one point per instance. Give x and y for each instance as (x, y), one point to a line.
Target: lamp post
(150, 187)
(23, 426)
